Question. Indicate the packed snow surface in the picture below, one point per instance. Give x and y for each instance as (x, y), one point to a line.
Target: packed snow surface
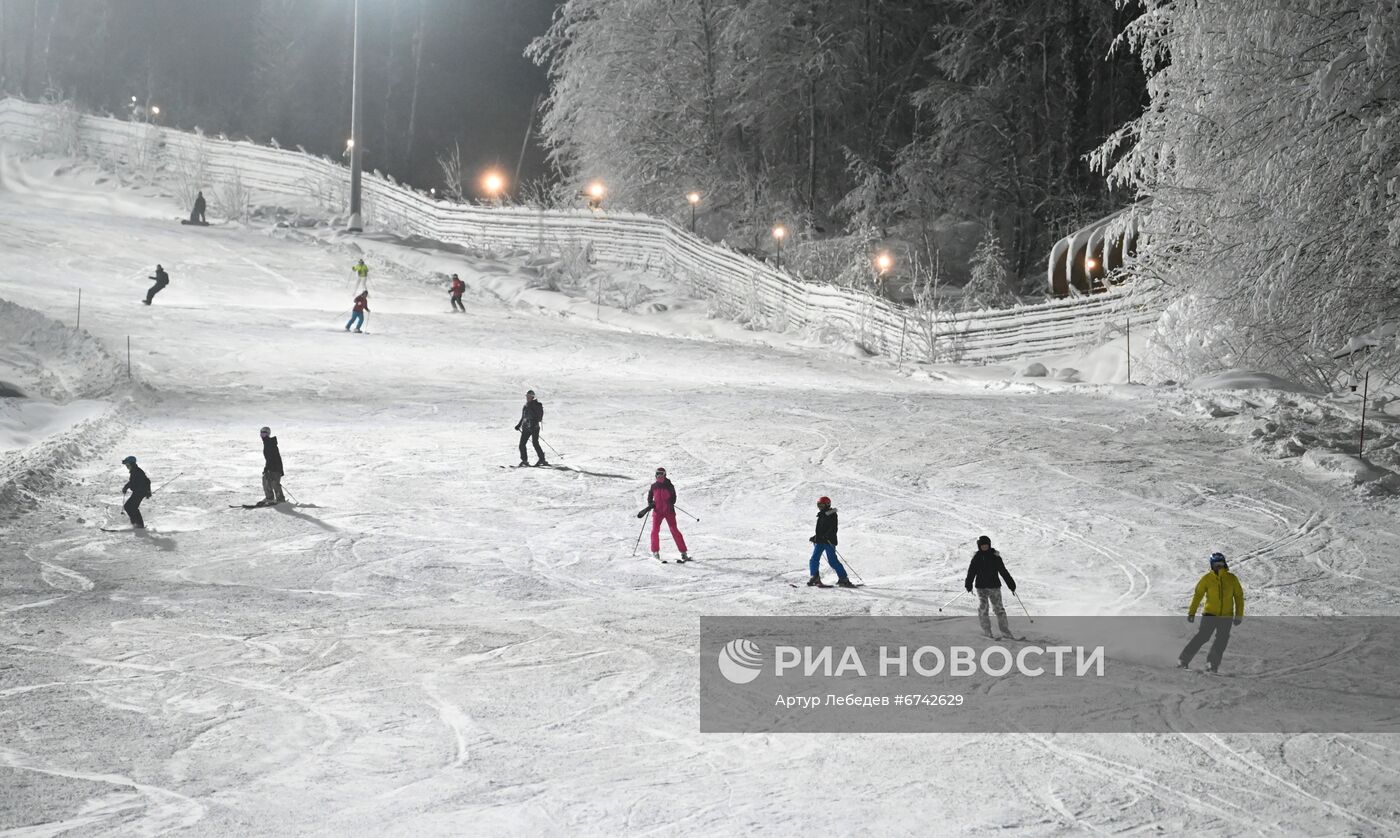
(429, 644)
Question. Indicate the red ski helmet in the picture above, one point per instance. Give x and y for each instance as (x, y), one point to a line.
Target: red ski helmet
(823, 501)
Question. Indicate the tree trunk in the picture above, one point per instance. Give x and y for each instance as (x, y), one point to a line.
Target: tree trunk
(417, 78)
(26, 85)
(812, 148)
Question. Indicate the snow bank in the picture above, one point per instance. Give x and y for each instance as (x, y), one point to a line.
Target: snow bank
(53, 414)
(46, 359)
(1247, 380)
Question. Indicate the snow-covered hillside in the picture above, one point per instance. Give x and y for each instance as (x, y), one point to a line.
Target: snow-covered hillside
(427, 643)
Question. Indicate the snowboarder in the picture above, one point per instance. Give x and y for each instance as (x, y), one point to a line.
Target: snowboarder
(1224, 608)
(139, 485)
(824, 541)
(361, 275)
(458, 286)
(197, 214)
(986, 571)
(661, 501)
(357, 317)
(162, 279)
(531, 420)
(272, 469)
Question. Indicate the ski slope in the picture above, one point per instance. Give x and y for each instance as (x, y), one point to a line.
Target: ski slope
(429, 644)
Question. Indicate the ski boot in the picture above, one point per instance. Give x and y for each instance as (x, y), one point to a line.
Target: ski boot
(524, 463)
(816, 582)
(1212, 668)
(655, 554)
(685, 557)
(843, 582)
(1181, 664)
(542, 462)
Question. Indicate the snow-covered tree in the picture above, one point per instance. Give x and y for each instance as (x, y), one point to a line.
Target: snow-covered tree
(1270, 151)
(990, 286)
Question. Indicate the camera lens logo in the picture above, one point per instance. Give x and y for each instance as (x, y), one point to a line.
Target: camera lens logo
(740, 661)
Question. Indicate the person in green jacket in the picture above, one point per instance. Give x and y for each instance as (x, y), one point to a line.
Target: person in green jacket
(1224, 609)
(361, 271)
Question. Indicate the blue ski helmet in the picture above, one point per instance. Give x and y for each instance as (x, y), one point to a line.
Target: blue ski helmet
(129, 461)
(1217, 558)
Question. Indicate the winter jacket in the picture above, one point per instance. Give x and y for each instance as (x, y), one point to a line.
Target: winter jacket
(273, 456)
(985, 569)
(139, 484)
(199, 204)
(662, 497)
(1223, 594)
(161, 277)
(361, 268)
(531, 417)
(458, 286)
(362, 302)
(826, 528)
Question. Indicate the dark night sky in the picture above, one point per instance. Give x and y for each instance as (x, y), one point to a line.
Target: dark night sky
(490, 84)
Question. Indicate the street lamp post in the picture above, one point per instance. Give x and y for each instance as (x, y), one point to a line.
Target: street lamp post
(694, 199)
(356, 223)
(780, 233)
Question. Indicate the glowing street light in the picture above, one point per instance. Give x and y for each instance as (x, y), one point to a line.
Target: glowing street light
(694, 199)
(1090, 263)
(883, 263)
(493, 183)
(155, 110)
(780, 233)
(596, 191)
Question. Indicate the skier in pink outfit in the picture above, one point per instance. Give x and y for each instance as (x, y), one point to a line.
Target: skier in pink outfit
(661, 502)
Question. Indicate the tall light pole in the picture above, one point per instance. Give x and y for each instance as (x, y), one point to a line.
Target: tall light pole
(694, 199)
(356, 224)
(780, 233)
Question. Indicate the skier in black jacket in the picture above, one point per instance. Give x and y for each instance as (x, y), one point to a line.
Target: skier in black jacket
(139, 485)
(986, 572)
(162, 279)
(531, 420)
(272, 469)
(197, 214)
(824, 542)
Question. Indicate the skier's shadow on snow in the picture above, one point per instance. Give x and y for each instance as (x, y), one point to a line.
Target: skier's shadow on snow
(160, 542)
(292, 513)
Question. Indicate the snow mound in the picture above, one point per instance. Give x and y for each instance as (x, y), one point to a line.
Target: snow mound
(1246, 380)
(44, 358)
(52, 374)
(1033, 370)
(1353, 469)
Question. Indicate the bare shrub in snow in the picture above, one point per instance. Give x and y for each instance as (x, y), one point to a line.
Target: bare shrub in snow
(232, 198)
(191, 169)
(61, 126)
(454, 176)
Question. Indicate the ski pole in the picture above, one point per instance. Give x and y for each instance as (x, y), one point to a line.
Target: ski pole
(551, 448)
(851, 567)
(1023, 606)
(678, 509)
(289, 494)
(953, 600)
(638, 545)
(168, 482)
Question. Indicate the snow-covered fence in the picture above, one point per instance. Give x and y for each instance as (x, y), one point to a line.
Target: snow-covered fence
(741, 285)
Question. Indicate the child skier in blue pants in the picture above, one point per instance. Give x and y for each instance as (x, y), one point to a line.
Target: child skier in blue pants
(825, 542)
(357, 317)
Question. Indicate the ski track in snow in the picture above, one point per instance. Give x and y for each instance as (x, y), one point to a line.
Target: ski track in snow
(442, 642)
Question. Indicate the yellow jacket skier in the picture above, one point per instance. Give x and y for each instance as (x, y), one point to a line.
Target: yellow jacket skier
(1224, 596)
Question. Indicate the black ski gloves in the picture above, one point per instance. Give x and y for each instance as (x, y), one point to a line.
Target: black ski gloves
(644, 512)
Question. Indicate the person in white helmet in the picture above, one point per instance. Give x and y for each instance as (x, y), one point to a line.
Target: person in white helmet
(272, 469)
